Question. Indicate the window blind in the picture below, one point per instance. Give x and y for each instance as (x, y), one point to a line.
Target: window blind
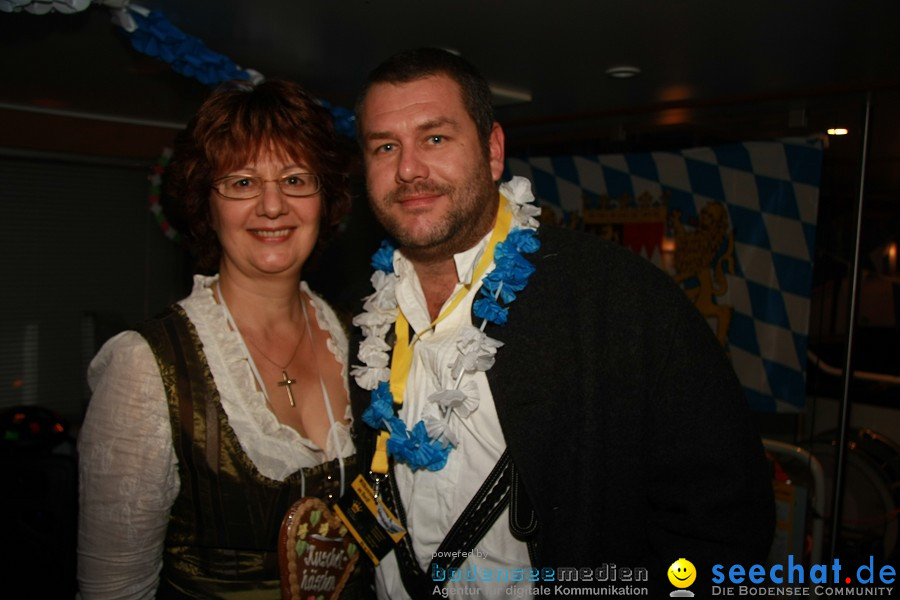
(81, 258)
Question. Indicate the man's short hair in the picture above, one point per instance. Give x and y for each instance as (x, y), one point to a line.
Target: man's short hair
(412, 65)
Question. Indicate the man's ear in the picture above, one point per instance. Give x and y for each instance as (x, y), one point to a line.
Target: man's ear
(497, 149)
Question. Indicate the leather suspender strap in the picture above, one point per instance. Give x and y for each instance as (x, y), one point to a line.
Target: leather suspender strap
(479, 515)
(523, 522)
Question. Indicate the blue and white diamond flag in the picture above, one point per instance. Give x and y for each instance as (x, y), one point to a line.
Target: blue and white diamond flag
(735, 225)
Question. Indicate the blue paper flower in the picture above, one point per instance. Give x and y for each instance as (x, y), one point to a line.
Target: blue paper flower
(511, 263)
(487, 308)
(490, 286)
(382, 393)
(514, 271)
(381, 408)
(511, 271)
(417, 450)
(383, 259)
(523, 240)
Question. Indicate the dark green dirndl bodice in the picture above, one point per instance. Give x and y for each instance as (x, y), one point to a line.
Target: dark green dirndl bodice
(221, 540)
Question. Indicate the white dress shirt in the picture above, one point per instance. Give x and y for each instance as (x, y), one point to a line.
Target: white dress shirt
(433, 500)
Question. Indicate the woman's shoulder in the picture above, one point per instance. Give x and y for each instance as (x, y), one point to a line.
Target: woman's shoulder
(201, 299)
(127, 349)
(126, 387)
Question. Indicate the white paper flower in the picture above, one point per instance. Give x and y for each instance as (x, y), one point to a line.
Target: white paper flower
(385, 297)
(517, 190)
(440, 430)
(122, 17)
(525, 213)
(374, 352)
(368, 378)
(375, 323)
(42, 7)
(476, 352)
(464, 401)
(526, 216)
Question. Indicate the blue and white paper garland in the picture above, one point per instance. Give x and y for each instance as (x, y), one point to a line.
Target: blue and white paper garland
(151, 33)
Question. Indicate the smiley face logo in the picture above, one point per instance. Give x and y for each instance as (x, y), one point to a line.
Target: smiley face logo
(682, 573)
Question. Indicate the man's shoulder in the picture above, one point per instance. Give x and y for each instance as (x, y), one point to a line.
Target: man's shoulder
(590, 253)
(561, 237)
(582, 265)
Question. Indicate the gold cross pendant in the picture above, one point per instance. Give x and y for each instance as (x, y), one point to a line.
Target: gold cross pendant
(287, 382)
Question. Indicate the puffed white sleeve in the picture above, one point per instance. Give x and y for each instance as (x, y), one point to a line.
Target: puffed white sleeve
(128, 477)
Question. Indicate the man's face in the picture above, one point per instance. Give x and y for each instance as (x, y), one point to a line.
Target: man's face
(429, 176)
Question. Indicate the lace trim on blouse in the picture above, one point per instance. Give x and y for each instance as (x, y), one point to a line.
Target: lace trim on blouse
(276, 449)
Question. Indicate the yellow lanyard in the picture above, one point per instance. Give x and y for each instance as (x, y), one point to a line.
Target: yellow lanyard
(401, 361)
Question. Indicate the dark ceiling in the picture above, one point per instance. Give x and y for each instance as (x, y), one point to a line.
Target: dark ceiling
(791, 59)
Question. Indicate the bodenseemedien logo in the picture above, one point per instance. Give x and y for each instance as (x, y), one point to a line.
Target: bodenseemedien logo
(682, 574)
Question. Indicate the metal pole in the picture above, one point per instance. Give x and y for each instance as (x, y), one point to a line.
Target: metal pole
(844, 418)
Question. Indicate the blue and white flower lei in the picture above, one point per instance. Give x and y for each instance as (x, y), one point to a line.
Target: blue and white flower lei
(428, 444)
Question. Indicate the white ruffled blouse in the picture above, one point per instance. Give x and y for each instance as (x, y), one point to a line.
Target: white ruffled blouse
(128, 469)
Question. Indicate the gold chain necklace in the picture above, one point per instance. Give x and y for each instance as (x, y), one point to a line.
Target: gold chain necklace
(286, 380)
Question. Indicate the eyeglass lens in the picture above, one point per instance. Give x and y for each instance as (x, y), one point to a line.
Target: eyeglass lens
(246, 186)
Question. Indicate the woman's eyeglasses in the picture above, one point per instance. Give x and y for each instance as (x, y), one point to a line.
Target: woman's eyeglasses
(246, 187)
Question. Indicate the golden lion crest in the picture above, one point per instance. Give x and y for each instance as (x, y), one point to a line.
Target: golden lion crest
(696, 254)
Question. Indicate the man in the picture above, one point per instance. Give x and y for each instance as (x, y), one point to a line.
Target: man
(596, 405)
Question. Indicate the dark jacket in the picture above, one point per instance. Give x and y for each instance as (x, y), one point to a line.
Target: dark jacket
(624, 419)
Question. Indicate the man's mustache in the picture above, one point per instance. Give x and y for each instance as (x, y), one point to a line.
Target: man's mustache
(414, 189)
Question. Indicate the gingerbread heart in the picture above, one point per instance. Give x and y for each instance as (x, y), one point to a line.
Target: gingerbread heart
(315, 552)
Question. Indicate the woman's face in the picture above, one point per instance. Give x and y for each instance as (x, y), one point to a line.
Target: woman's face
(272, 233)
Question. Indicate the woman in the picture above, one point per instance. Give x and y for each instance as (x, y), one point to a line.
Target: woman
(207, 423)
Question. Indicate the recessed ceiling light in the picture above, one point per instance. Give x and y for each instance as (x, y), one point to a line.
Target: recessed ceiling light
(837, 131)
(623, 72)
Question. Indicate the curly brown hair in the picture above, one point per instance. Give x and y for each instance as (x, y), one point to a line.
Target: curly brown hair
(230, 129)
